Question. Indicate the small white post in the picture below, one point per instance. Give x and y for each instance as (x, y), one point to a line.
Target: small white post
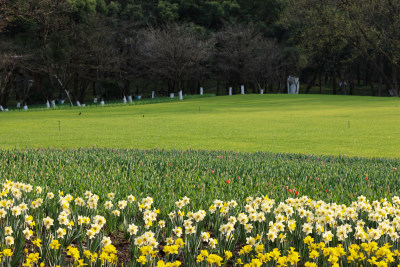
(53, 103)
(124, 100)
(130, 99)
(171, 95)
(1, 108)
(230, 90)
(78, 103)
(180, 95)
(47, 104)
(18, 104)
(95, 100)
(26, 107)
(139, 97)
(152, 94)
(262, 91)
(102, 103)
(242, 89)
(201, 90)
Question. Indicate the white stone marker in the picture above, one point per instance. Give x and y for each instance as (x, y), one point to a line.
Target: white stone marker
(152, 94)
(201, 90)
(53, 103)
(293, 85)
(180, 95)
(102, 103)
(26, 107)
(171, 95)
(95, 100)
(47, 104)
(18, 104)
(230, 90)
(1, 108)
(130, 99)
(242, 89)
(262, 91)
(124, 100)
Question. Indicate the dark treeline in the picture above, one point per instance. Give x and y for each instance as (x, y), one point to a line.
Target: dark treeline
(73, 49)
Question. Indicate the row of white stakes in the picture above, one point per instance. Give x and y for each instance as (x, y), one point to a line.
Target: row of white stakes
(124, 100)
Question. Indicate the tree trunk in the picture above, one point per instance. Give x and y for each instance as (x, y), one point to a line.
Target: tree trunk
(311, 83)
(334, 82)
(395, 88)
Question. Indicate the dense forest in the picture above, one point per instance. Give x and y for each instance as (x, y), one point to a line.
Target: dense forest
(82, 49)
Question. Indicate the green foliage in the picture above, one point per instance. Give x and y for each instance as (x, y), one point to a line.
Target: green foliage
(83, 6)
(101, 6)
(200, 175)
(113, 8)
(167, 11)
(132, 11)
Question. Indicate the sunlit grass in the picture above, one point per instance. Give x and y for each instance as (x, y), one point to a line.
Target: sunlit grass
(311, 124)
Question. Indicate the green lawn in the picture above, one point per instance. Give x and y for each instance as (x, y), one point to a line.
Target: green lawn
(310, 124)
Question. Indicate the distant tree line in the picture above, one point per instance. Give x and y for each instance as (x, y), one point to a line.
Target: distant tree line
(53, 49)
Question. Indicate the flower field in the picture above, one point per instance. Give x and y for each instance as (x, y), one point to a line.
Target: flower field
(107, 207)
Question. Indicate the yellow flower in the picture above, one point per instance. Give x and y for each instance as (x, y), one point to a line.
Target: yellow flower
(314, 254)
(310, 264)
(308, 240)
(213, 258)
(7, 252)
(54, 244)
(37, 242)
(142, 260)
(259, 248)
(228, 255)
(179, 242)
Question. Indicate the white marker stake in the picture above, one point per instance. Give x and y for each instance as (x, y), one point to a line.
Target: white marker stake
(124, 100)
(152, 94)
(130, 99)
(242, 89)
(230, 90)
(53, 103)
(95, 100)
(262, 91)
(47, 104)
(171, 95)
(18, 104)
(180, 95)
(201, 90)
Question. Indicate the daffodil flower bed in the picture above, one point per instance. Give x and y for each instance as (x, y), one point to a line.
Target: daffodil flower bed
(56, 229)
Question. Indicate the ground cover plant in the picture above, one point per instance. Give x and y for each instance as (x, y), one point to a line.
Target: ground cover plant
(196, 208)
(311, 124)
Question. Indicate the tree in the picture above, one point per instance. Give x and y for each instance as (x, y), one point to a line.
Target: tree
(176, 53)
(369, 26)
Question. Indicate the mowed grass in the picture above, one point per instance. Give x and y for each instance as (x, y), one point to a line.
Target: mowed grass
(310, 124)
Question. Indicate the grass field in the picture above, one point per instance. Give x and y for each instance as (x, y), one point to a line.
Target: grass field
(311, 124)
